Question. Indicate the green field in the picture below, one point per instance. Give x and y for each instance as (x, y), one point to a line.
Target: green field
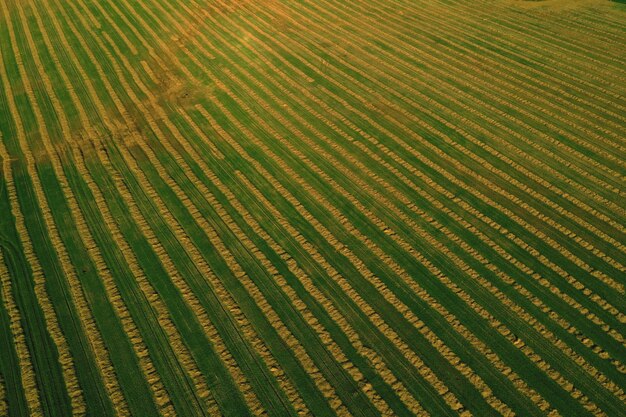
(312, 208)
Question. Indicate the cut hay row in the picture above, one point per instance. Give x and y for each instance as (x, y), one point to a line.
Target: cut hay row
(249, 245)
(148, 70)
(517, 71)
(418, 257)
(113, 24)
(407, 202)
(534, 37)
(27, 372)
(247, 331)
(172, 333)
(192, 301)
(222, 292)
(326, 388)
(196, 129)
(556, 50)
(460, 64)
(600, 22)
(603, 24)
(377, 321)
(105, 368)
(462, 266)
(358, 264)
(339, 356)
(362, 185)
(383, 370)
(236, 269)
(552, 65)
(84, 231)
(4, 407)
(431, 374)
(303, 277)
(186, 361)
(587, 134)
(216, 241)
(596, 27)
(146, 28)
(164, 321)
(43, 300)
(490, 243)
(505, 20)
(554, 204)
(401, 52)
(475, 212)
(156, 129)
(65, 358)
(450, 399)
(139, 344)
(596, 113)
(233, 307)
(277, 71)
(311, 208)
(134, 388)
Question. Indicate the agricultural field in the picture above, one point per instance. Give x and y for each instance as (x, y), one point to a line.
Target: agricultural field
(312, 208)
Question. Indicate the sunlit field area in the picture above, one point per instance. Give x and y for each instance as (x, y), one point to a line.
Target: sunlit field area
(312, 208)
